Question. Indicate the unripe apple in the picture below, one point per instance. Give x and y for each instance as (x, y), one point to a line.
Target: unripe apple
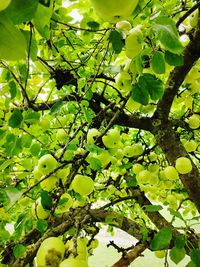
(134, 42)
(123, 83)
(183, 165)
(133, 150)
(137, 168)
(64, 204)
(190, 146)
(50, 252)
(45, 124)
(194, 121)
(171, 173)
(123, 25)
(160, 254)
(143, 176)
(112, 138)
(49, 183)
(112, 10)
(82, 184)
(38, 211)
(61, 136)
(4, 4)
(46, 164)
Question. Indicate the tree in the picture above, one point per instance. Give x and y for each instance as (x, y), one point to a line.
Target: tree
(99, 123)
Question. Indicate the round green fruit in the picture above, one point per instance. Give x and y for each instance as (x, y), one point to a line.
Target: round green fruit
(45, 124)
(123, 25)
(171, 173)
(134, 42)
(194, 121)
(112, 138)
(82, 184)
(133, 150)
(190, 146)
(112, 10)
(183, 165)
(61, 136)
(4, 4)
(64, 204)
(50, 252)
(46, 164)
(73, 263)
(38, 211)
(160, 254)
(49, 183)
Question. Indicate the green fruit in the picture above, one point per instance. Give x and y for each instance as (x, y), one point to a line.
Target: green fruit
(38, 211)
(73, 263)
(137, 168)
(4, 4)
(13, 43)
(183, 165)
(82, 184)
(171, 173)
(112, 138)
(49, 183)
(194, 121)
(50, 252)
(45, 124)
(46, 164)
(123, 82)
(190, 146)
(134, 42)
(133, 150)
(160, 254)
(112, 10)
(123, 25)
(61, 136)
(64, 204)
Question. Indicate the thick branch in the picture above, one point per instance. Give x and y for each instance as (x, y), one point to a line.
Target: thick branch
(177, 76)
(131, 256)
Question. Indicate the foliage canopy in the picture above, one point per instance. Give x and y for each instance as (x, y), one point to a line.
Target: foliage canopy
(93, 117)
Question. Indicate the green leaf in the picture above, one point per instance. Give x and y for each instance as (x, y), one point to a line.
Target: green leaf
(191, 264)
(165, 29)
(4, 234)
(12, 89)
(19, 250)
(42, 225)
(180, 241)
(15, 119)
(176, 214)
(4, 199)
(132, 182)
(46, 200)
(95, 164)
(21, 11)
(158, 62)
(152, 208)
(195, 256)
(32, 43)
(5, 164)
(177, 254)
(42, 18)
(56, 107)
(152, 84)
(13, 43)
(31, 116)
(93, 25)
(173, 59)
(140, 94)
(117, 41)
(162, 239)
